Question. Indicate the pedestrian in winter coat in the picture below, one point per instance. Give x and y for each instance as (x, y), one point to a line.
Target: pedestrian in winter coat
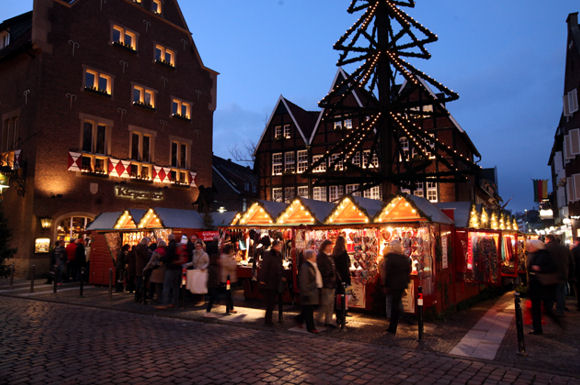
(200, 258)
(71, 268)
(561, 256)
(310, 285)
(544, 278)
(576, 269)
(342, 262)
(60, 259)
(397, 272)
(271, 278)
(121, 267)
(142, 256)
(172, 278)
(327, 268)
(156, 269)
(213, 275)
(228, 274)
(81, 260)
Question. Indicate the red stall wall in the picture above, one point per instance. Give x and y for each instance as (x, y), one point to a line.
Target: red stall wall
(101, 261)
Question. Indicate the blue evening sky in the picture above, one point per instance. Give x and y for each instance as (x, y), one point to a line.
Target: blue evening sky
(505, 59)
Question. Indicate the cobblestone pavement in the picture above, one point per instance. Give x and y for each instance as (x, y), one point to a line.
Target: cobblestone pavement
(50, 343)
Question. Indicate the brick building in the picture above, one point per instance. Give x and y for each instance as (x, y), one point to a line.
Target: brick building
(564, 160)
(295, 138)
(104, 105)
(235, 186)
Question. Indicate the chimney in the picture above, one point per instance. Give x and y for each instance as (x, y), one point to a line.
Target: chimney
(572, 20)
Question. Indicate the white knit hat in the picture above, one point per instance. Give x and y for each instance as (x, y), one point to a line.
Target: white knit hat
(184, 239)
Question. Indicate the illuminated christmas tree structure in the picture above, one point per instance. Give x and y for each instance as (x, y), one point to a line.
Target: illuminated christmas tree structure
(388, 114)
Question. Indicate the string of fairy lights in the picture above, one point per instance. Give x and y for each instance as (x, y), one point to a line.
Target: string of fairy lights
(406, 38)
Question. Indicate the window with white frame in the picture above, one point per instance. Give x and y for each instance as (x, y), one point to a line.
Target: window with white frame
(574, 142)
(351, 189)
(180, 108)
(356, 159)
(141, 144)
(419, 190)
(404, 146)
(571, 102)
(98, 81)
(95, 137)
(370, 161)
(302, 161)
(143, 96)
(277, 132)
(290, 162)
(348, 124)
(156, 6)
(319, 193)
(336, 160)
(277, 163)
(338, 123)
(303, 191)
(321, 167)
(4, 39)
(277, 194)
(373, 193)
(287, 131)
(179, 154)
(289, 194)
(432, 192)
(164, 55)
(335, 193)
(124, 37)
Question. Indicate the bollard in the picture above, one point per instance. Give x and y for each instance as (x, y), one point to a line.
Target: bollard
(420, 312)
(111, 284)
(82, 286)
(519, 324)
(12, 271)
(32, 274)
(343, 307)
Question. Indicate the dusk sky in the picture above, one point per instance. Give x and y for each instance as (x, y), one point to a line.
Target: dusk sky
(505, 59)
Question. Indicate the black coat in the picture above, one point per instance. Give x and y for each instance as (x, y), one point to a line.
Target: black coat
(171, 256)
(272, 270)
(397, 272)
(327, 269)
(576, 263)
(342, 262)
(561, 256)
(80, 257)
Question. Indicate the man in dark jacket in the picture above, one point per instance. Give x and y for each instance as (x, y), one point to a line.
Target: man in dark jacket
(81, 260)
(576, 269)
(172, 278)
(310, 285)
(561, 256)
(327, 269)
(271, 278)
(397, 272)
(142, 256)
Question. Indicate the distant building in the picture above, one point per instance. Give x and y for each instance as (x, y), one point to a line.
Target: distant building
(294, 138)
(564, 157)
(234, 186)
(105, 105)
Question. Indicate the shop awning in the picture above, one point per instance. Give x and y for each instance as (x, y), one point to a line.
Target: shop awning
(180, 219)
(155, 218)
(354, 210)
(105, 221)
(262, 213)
(461, 211)
(223, 219)
(305, 212)
(410, 208)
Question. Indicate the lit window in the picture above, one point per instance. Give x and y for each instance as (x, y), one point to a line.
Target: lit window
(351, 189)
(164, 55)
(277, 164)
(94, 137)
(98, 82)
(335, 193)
(432, 194)
(302, 161)
(4, 39)
(348, 124)
(321, 167)
(419, 190)
(356, 159)
(431, 143)
(337, 161)
(137, 1)
(289, 194)
(373, 193)
(181, 109)
(289, 162)
(277, 194)
(277, 132)
(179, 154)
(143, 96)
(140, 147)
(303, 191)
(319, 193)
(287, 131)
(124, 37)
(370, 161)
(404, 146)
(156, 6)
(338, 123)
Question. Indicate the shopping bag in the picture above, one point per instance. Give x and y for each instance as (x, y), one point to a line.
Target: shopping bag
(197, 281)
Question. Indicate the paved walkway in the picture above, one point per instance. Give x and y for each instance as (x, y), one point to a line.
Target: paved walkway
(50, 343)
(485, 338)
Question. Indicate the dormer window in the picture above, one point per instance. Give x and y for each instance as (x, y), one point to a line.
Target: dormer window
(4, 39)
(156, 6)
(164, 55)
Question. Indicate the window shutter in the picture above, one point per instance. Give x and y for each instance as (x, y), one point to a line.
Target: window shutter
(566, 108)
(570, 189)
(568, 147)
(573, 101)
(576, 183)
(575, 142)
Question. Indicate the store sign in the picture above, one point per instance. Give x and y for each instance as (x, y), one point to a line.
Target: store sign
(444, 253)
(42, 245)
(124, 192)
(208, 236)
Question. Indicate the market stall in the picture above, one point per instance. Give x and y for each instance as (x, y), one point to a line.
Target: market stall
(111, 230)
